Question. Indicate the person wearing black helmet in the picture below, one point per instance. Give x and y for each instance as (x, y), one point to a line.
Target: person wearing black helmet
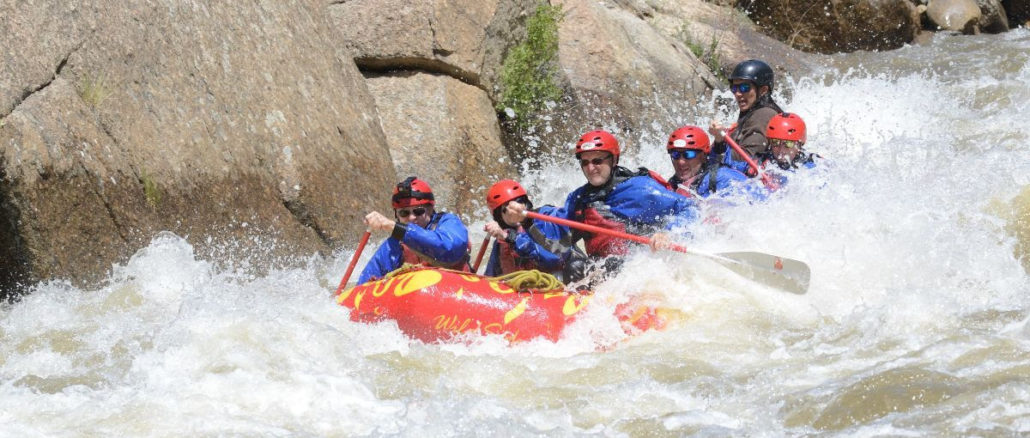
(752, 84)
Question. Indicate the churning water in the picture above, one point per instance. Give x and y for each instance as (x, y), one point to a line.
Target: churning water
(916, 322)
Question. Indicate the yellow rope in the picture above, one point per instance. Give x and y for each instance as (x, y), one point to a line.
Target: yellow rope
(531, 279)
(406, 267)
(521, 281)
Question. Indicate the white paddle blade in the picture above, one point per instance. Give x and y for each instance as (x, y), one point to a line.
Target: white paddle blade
(779, 272)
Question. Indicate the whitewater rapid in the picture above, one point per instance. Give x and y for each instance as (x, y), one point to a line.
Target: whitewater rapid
(915, 323)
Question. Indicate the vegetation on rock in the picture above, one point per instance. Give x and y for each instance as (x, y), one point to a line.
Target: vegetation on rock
(94, 89)
(151, 190)
(708, 55)
(530, 69)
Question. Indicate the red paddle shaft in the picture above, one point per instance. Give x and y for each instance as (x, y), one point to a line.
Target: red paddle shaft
(353, 261)
(750, 161)
(479, 257)
(596, 229)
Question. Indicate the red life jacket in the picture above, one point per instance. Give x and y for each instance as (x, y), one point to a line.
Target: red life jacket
(510, 260)
(655, 176)
(602, 245)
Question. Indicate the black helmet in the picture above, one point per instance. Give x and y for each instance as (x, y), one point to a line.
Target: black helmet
(755, 71)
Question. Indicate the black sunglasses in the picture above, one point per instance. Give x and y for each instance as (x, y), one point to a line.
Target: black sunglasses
(740, 88)
(595, 161)
(688, 154)
(418, 211)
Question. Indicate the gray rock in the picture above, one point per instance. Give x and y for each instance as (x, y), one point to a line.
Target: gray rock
(244, 128)
(445, 132)
(466, 40)
(992, 16)
(838, 25)
(627, 79)
(954, 15)
(736, 37)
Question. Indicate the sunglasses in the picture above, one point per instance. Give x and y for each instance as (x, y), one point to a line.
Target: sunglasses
(404, 212)
(740, 88)
(595, 161)
(774, 142)
(688, 154)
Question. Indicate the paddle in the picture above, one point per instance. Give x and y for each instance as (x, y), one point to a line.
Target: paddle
(479, 257)
(353, 261)
(766, 179)
(783, 273)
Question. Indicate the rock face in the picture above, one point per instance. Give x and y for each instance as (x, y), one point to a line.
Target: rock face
(443, 131)
(266, 130)
(734, 36)
(640, 78)
(838, 25)
(463, 39)
(627, 78)
(431, 65)
(240, 126)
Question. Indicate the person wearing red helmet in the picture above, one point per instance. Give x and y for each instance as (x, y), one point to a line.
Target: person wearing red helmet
(785, 153)
(520, 242)
(786, 134)
(418, 233)
(621, 199)
(698, 175)
(752, 84)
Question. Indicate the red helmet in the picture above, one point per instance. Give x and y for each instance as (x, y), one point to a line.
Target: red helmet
(786, 126)
(598, 141)
(503, 191)
(689, 137)
(411, 192)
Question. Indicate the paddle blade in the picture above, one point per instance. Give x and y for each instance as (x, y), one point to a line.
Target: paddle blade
(779, 272)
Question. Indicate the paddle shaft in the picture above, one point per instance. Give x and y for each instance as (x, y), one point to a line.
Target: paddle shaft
(479, 257)
(747, 158)
(353, 261)
(595, 229)
(787, 274)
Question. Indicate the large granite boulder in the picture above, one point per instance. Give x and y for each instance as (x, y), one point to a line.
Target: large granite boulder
(954, 15)
(732, 35)
(618, 73)
(445, 132)
(838, 25)
(465, 40)
(432, 66)
(241, 126)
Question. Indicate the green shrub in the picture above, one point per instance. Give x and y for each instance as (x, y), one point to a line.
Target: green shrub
(94, 89)
(709, 56)
(150, 189)
(530, 68)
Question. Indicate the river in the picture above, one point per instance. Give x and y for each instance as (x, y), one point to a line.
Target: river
(915, 323)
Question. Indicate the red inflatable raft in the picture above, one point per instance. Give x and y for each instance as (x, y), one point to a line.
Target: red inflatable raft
(433, 304)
